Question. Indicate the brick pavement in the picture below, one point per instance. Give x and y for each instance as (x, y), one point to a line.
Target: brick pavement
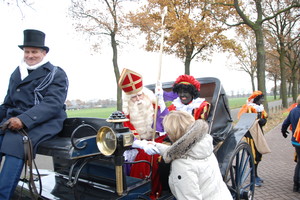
(277, 169)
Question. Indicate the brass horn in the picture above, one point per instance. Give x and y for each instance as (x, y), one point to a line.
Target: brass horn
(106, 140)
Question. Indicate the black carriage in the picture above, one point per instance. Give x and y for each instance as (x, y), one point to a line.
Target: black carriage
(89, 164)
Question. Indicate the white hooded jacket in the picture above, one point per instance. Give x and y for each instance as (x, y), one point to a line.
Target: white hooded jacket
(195, 173)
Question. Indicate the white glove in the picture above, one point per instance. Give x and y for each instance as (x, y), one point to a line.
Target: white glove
(159, 92)
(139, 144)
(147, 146)
(162, 133)
(161, 104)
(150, 149)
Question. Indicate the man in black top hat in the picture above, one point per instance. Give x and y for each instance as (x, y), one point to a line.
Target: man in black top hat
(35, 103)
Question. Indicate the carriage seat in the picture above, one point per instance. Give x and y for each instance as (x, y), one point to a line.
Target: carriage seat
(76, 128)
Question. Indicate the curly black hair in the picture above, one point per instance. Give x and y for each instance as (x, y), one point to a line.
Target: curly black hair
(188, 88)
(256, 99)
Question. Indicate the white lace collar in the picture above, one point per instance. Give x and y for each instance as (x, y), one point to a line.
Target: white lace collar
(258, 108)
(190, 107)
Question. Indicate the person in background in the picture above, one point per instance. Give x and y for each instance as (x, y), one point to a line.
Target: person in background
(255, 105)
(138, 107)
(293, 119)
(195, 172)
(188, 90)
(35, 102)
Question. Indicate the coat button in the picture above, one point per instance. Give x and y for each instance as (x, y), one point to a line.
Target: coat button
(18, 90)
(179, 177)
(34, 117)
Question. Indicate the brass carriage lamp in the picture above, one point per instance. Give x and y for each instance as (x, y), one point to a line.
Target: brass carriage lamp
(115, 141)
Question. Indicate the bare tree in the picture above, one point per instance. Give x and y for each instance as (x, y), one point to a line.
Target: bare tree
(284, 29)
(101, 20)
(19, 4)
(246, 55)
(252, 14)
(272, 67)
(293, 62)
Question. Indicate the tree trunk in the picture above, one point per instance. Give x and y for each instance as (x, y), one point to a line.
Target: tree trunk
(280, 96)
(283, 75)
(275, 87)
(187, 62)
(252, 82)
(116, 70)
(289, 90)
(261, 63)
(295, 84)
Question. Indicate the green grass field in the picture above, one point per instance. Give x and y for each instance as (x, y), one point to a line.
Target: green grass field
(92, 112)
(238, 102)
(105, 112)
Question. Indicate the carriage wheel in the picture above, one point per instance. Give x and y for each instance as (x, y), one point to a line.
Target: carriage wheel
(239, 176)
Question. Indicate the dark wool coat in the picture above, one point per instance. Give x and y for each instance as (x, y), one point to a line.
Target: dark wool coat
(292, 119)
(43, 120)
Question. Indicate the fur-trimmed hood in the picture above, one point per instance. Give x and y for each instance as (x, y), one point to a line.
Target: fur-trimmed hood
(196, 143)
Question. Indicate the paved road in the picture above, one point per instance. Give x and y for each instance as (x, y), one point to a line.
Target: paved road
(277, 169)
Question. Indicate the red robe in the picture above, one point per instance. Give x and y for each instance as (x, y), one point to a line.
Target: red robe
(142, 170)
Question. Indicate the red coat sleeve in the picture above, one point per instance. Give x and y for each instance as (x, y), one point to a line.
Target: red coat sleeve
(202, 112)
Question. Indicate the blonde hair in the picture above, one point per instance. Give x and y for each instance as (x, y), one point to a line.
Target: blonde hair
(298, 99)
(176, 124)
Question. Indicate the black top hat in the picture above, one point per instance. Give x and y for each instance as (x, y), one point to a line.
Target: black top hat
(34, 38)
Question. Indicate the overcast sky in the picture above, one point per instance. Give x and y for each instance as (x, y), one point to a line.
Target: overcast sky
(91, 76)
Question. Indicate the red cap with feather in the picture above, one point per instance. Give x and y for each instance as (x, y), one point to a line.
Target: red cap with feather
(253, 95)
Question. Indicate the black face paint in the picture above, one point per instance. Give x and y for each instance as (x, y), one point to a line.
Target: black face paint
(259, 100)
(185, 97)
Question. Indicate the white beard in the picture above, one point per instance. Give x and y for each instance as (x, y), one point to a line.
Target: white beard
(141, 117)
